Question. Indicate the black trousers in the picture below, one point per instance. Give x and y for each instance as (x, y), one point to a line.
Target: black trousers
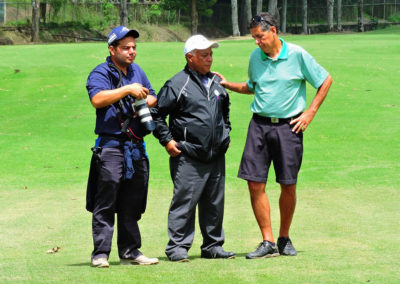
(202, 184)
(115, 195)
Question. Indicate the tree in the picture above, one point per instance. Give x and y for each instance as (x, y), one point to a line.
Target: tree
(360, 16)
(339, 15)
(196, 8)
(123, 13)
(35, 20)
(284, 13)
(248, 11)
(245, 16)
(329, 4)
(235, 22)
(259, 7)
(195, 17)
(273, 9)
(304, 16)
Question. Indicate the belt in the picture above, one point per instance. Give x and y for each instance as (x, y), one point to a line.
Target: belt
(275, 119)
(121, 137)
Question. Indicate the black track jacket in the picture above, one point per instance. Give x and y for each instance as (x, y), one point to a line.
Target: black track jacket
(198, 118)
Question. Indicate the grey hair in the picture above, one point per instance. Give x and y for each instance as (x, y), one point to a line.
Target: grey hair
(265, 21)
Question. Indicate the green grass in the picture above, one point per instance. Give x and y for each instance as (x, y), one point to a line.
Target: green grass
(346, 226)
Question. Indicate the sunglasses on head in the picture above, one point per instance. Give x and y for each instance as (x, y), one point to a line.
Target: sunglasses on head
(259, 19)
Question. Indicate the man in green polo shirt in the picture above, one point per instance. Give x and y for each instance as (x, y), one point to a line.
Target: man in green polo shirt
(278, 72)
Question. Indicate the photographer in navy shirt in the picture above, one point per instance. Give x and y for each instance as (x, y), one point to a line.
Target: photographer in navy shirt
(119, 171)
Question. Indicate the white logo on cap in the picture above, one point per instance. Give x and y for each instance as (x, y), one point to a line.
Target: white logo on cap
(112, 37)
(124, 29)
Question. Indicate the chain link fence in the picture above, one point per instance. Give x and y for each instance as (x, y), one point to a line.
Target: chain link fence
(106, 13)
(93, 13)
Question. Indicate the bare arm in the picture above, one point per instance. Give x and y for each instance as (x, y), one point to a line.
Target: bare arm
(236, 87)
(107, 97)
(307, 116)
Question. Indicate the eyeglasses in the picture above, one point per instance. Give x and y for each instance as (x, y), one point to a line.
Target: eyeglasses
(259, 19)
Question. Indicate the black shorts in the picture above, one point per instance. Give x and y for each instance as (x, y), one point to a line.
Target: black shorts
(266, 142)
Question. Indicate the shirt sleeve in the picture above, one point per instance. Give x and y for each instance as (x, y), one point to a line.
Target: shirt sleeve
(146, 82)
(314, 73)
(250, 81)
(97, 81)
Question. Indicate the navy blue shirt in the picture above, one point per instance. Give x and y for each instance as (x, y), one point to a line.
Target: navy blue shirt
(104, 77)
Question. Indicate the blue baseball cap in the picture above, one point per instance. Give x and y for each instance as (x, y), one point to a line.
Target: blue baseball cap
(121, 32)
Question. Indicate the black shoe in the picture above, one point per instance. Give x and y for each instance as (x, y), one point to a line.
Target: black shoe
(217, 253)
(285, 246)
(264, 250)
(179, 258)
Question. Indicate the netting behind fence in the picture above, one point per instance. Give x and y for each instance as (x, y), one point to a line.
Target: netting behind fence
(107, 13)
(97, 13)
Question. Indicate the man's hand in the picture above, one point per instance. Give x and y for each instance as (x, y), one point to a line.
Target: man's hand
(172, 148)
(236, 87)
(136, 90)
(223, 80)
(301, 123)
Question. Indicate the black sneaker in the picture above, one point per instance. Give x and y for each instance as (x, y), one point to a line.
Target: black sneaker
(179, 258)
(217, 252)
(264, 250)
(285, 246)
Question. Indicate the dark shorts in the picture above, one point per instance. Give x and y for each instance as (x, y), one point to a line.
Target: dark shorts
(266, 142)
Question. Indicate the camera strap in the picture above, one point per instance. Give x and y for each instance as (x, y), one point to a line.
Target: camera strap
(124, 123)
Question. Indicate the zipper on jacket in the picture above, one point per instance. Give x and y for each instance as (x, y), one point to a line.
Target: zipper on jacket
(212, 116)
(184, 134)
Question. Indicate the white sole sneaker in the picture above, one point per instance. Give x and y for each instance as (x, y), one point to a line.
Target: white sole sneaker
(140, 260)
(100, 262)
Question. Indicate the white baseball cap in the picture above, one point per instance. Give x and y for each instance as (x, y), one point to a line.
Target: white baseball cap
(198, 42)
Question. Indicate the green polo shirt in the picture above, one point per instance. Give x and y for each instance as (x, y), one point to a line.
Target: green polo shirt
(279, 84)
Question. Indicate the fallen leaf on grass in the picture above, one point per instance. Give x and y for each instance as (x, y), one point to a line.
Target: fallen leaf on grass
(54, 250)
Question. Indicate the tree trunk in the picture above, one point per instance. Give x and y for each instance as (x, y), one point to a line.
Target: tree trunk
(235, 22)
(195, 17)
(245, 16)
(273, 9)
(329, 4)
(304, 16)
(339, 15)
(259, 7)
(360, 16)
(123, 13)
(43, 7)
(35, 20)
(248, 11)
(242, 18)
(284, 13)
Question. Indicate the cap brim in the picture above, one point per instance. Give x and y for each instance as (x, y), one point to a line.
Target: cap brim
(203, 47)
(133, 33)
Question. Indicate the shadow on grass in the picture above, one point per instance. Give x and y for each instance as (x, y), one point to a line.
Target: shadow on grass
(162, 259)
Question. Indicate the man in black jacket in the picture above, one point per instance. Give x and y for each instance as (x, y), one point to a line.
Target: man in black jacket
(196, 138)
